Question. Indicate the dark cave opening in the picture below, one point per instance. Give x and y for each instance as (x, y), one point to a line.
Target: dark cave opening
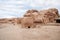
(57, 20)
(28, 26)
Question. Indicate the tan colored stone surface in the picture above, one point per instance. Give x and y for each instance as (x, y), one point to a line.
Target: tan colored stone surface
(27, 22)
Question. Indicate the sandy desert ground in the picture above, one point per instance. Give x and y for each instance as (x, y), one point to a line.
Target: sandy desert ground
(15, 32)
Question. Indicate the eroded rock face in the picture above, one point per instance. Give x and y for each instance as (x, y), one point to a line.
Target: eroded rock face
(32, 13)
(19, 20)
(7, 20)
(52, 14)
(27, 22)
(43, 16)
(3, 20)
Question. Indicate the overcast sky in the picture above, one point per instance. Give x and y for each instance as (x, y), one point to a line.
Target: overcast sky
(17, 8)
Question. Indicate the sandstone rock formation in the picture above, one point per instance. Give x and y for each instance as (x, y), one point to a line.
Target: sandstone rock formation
(43, 16)
(18, 21)
(27, 22)
(51, 14)
(30, 13)
(3, 20)
(34, 16)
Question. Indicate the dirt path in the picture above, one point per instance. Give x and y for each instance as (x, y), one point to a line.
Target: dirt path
(14, 32)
